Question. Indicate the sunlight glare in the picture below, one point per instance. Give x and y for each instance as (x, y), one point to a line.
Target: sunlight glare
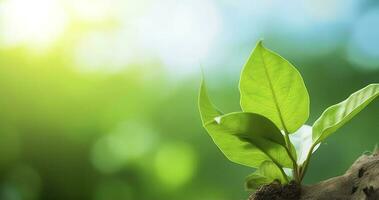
(94, 10)
(34, 23)
(180, 33)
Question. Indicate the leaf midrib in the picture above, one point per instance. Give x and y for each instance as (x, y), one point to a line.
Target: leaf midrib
(272, 91)
(265, 152)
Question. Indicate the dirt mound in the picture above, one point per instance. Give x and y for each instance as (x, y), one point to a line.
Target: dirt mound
(276, 191)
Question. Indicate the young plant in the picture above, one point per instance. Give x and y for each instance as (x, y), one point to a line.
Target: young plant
(269, 133)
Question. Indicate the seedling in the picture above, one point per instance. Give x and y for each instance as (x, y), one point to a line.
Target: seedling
(269, 133)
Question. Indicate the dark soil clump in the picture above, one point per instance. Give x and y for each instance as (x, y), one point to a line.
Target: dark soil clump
(276, 191)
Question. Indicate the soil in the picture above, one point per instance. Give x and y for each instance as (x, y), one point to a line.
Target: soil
(360, 182)
(276, 191)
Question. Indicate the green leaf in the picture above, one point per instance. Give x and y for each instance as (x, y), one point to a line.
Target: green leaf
(249, 139)
(256, 180)
(208, 111)
(272, 87)
(266, 174)
(337, 115)
(270, 170)
(244, 138)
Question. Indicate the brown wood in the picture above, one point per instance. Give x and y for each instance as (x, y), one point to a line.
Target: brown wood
(360, 182)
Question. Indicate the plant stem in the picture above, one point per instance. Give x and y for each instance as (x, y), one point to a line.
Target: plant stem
(304, 168)
(295, 171)
(284, 174)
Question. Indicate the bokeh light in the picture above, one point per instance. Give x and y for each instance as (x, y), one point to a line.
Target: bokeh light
(112, 59)
(99, 97)
(93, 11)
(298, 24)
(34, 23)
(180, 34)
(130, 141)
(363, 48)
(175, 164)
(22, 183)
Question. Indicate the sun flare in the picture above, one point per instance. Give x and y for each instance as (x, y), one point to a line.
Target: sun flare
(36, 23)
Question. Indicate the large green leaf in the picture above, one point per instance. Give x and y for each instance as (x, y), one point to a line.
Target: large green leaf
(244, 138)
(337, 115)
(249, 139)
(272, 87)
(267, 173)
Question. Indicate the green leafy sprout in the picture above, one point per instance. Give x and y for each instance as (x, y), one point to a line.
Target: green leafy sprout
(269, 133)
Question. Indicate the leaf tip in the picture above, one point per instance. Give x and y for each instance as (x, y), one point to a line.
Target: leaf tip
(260, 43)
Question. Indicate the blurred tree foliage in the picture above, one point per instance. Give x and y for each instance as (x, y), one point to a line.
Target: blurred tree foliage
(137, 135)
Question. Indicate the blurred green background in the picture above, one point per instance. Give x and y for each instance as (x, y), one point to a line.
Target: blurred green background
(98, 98)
